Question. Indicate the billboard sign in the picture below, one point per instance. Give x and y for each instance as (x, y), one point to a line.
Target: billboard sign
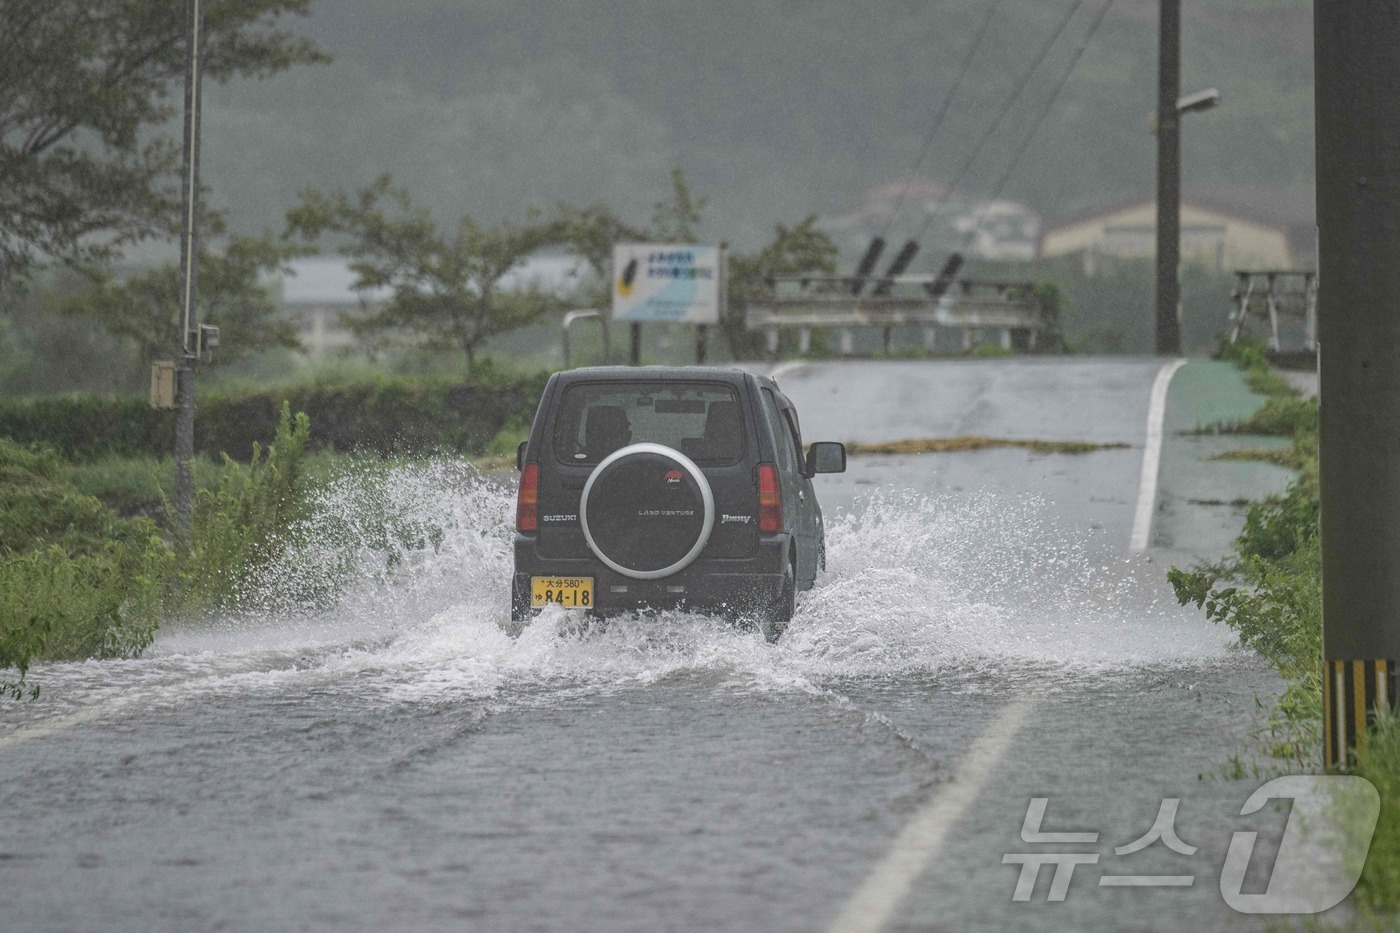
(668, 282)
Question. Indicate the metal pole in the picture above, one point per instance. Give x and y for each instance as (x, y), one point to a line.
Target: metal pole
(1358, 215)
(566, 327)
(189, 276)
(634, 355)
(701, 330)
(1168, 179)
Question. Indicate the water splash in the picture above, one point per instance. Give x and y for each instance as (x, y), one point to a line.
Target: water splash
(925, 583)
(397, 580)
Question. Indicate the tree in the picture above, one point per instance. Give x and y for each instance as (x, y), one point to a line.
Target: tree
(593, 231)
(86, 87)
(679, 220)
(42, 351)
(143, 307)
(446, 288)
(792, 251)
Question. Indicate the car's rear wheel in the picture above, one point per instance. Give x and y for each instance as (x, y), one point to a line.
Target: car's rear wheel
(774, 617)
(520, 610)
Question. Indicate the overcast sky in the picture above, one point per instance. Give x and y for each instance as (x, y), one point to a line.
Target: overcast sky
(774, 109)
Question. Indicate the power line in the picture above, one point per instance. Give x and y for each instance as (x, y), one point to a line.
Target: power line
(996, 123)
(1035, 127)
(943, 109)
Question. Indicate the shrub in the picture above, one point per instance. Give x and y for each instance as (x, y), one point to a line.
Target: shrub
(1269, 591)
(1281, 416)
(79, 581)
(76, 580)
(237, 526)
(382, 416)
(1250, 356)
(1274, 605)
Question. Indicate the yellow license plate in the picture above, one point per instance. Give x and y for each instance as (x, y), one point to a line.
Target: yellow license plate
(569, 592)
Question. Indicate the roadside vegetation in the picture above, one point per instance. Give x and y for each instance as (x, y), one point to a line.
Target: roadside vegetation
(1269, 591)
(76, 580)
(939, 445)
(79, 580)
(373, 414)
(90, 562)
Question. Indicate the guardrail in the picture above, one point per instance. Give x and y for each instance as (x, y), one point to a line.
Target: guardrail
(583, 314)
(1269, 294)
(834, 302)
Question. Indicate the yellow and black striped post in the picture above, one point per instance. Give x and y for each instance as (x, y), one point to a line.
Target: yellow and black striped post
(1358, 218)
(1352, 691)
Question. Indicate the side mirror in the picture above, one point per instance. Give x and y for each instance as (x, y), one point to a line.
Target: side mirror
(520, 455)
(826, 457)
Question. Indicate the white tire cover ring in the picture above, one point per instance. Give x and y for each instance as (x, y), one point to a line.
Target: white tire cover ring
(706, 496)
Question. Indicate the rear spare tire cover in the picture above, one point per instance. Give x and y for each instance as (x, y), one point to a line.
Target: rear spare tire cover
(647, 511)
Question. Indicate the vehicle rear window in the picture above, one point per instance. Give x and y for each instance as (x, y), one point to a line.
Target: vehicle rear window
(703, 420)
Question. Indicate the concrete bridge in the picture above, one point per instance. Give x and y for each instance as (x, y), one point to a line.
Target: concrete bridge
(970, 308)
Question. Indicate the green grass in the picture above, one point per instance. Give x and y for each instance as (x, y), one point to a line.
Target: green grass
(1378, 760)
(76, 579)
(1280, 416)
(134, 486)
(236, 526)
(1269, 591)
(1261, 378)
(80, 580)
(938, 445)
(1279, 456)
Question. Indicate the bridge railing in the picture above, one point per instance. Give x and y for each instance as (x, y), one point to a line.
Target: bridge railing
(968, 306)
(1269, 294)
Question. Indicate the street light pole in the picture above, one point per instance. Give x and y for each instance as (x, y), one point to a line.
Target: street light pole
(189, 278)
(1168, 330)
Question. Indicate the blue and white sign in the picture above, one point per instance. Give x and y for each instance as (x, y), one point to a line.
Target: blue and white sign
(670, 282)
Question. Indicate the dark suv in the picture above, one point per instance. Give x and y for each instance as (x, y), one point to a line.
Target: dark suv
(668, 486)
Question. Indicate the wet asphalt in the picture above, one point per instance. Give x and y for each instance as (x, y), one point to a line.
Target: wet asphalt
(395, 762)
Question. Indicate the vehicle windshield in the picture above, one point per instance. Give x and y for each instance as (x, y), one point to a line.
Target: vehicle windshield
(702, 420)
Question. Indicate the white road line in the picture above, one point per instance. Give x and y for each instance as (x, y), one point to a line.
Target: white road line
(782, 369)
(875, 901)
(1152, 456)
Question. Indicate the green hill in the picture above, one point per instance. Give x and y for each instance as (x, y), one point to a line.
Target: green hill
(775, 109)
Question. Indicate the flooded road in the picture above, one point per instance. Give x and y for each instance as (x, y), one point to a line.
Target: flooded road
(365, 749)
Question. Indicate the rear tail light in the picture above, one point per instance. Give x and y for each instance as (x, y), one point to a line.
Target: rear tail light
(527, 502)
(770, 500)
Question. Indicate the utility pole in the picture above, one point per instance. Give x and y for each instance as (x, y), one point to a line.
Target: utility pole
(188, 349)
(1358, 216)
(1168, 179)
